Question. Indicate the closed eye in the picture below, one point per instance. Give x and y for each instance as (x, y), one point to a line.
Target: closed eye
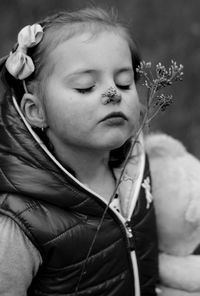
(124, 87)
(84, 90)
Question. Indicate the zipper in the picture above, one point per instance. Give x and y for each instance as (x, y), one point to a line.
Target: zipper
(129, 229)
(127, 225)
(130, 245)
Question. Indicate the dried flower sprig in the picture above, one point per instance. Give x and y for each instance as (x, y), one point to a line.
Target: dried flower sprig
(155, 102)
(154, 82)
(164, 77)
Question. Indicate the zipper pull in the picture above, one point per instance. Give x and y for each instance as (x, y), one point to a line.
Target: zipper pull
(130, 236)
(128, 229)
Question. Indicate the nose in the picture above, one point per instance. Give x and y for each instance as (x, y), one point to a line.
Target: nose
(111, 95)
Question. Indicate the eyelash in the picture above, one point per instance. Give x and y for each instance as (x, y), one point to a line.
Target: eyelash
(124, 87)
(84, 90)
(89, 89)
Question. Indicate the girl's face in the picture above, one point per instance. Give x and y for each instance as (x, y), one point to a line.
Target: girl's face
(83, 68)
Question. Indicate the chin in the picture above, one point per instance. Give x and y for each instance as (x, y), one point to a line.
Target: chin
(116, 142)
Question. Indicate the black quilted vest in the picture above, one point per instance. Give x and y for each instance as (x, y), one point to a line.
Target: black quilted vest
(61, 218)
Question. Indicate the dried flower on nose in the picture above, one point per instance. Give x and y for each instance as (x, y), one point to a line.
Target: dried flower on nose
(111, 92)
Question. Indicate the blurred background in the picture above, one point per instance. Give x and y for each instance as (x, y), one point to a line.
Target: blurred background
(164, 30)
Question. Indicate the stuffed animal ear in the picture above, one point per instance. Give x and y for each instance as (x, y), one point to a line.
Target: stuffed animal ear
(192, 214)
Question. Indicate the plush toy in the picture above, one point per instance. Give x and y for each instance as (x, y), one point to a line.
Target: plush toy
(176, 192)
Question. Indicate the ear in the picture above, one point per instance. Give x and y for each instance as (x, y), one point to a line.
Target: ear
(33, 110)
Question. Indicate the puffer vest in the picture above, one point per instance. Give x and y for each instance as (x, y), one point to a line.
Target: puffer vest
(64, 235)
(61, 218)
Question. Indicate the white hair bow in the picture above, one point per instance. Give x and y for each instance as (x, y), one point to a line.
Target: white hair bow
(19, 64)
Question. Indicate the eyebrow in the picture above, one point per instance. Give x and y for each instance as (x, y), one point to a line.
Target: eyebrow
(126, 69)
(93, 71)
(80, 72)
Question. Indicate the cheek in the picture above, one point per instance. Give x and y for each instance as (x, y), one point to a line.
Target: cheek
(61, 117)
(135, 115)
(134, 108)
(68, 114)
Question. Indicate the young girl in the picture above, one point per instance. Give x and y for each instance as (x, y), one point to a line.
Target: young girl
(69, 110)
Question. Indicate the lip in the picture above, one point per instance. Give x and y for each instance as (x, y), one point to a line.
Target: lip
(114, 115)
